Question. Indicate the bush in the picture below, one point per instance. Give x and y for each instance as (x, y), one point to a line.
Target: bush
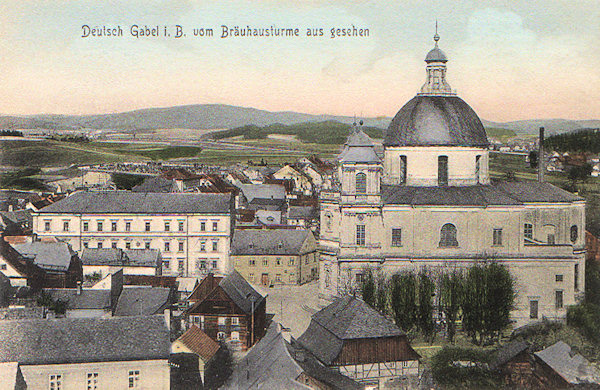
(126, 181)
(586, 318)
(454, 367)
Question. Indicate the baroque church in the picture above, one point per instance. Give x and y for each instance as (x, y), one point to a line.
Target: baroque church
(430, 202)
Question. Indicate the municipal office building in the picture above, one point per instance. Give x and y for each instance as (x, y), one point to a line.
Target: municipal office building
(429, 202)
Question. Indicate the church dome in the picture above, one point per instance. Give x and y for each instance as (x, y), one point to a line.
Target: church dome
(429, 120)
(436, 55)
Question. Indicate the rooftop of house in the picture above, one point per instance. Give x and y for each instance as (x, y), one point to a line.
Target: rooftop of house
(121, 257)
(268, 241)
(155, 184)
(302, 212)
(572, 367)
(274, 363)
(84, 340)
(52, 256)
(115, 202)
(21, 313)
(81, 300)
(498, 193)
(142, 301)
(262, 191)
(199, 342)
(507, 352)
(346, 318)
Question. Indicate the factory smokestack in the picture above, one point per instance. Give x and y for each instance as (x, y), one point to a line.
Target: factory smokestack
(541, 160)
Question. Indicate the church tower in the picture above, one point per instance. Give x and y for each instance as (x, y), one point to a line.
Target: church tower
(359, 169)
(436, 83)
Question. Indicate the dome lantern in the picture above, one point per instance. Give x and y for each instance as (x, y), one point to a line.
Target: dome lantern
(436, 83)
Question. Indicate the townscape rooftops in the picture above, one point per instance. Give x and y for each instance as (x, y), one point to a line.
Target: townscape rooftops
(199, 343)
(52, 256)
(268, 241)
(155, 184)
(241, 292)
(85, 299)
(573, 368)
(142, 301)
(496, 194)
(262, 191)
(115, 202)
(83, 340)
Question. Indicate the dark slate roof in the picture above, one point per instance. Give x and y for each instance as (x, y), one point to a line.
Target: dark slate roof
(82, 340)
(135, 301)
(262, 191)
(436, 54)
(137, 202)
(268, 365)
(240, 292)
(121, 257)
(436, 120)
(87, 299)
(268, 241)
(346, 318)
(21, 313)
(496, 194)
(302, 212)
(572, 367)
(143, 257)
(52, 256)
(507, 352)
(154, 184)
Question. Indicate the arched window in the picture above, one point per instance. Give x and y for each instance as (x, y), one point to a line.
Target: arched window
(574, 233)
(442, 170)
(550, 234)
(448, 236)
(402, 169)
(361, 183)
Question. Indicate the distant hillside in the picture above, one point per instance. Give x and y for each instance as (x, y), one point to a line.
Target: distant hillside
(219, 116)
(200, 116)
(327, 132)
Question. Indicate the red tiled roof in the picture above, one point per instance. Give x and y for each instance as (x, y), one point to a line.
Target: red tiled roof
(199, 343)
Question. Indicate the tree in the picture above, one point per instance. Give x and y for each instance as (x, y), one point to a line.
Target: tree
(488, 298)
(451, 291)
(126, 181)
(403, 291)
(368, 287)
(533, 159)
(580, 173)
(381, 297)
(425, 309)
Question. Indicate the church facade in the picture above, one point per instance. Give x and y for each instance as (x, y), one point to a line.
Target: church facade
(430, 202)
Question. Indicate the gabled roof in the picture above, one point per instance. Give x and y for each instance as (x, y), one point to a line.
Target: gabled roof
(302, 212)
(268, 241)
(262, 191)
(507, 352)
(83, 340)
(346, 318)
(86, 299)
(114, 202)
(237, 289)
(135, 301)
(51, 256)
(572, 367)
(199, 343)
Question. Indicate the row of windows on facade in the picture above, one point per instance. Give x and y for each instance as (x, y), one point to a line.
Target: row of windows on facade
(167, 245)
(55, 381)
(114, 226)
(201, 264)
(278, 261)
(361, 178)
(278, 278)
(448, 235)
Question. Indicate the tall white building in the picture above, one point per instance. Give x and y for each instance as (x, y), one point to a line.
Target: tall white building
(430, 203)
(192, 231)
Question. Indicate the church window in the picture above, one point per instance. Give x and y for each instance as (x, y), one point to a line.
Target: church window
(443, 170)
(533, 309)
(448, 236)
(402, 169)
(396, 237)
(528, 231)
(328, 219)
(576, 278)
(477, 168)
(574, 233)
(361, 183)
(360, 235)
(550, 233)
(497, 237)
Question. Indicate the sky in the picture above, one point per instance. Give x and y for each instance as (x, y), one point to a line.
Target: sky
(509, 60)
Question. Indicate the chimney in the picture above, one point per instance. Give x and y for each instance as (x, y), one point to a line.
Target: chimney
(167, 314)
(79, 287)
(541, 160)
